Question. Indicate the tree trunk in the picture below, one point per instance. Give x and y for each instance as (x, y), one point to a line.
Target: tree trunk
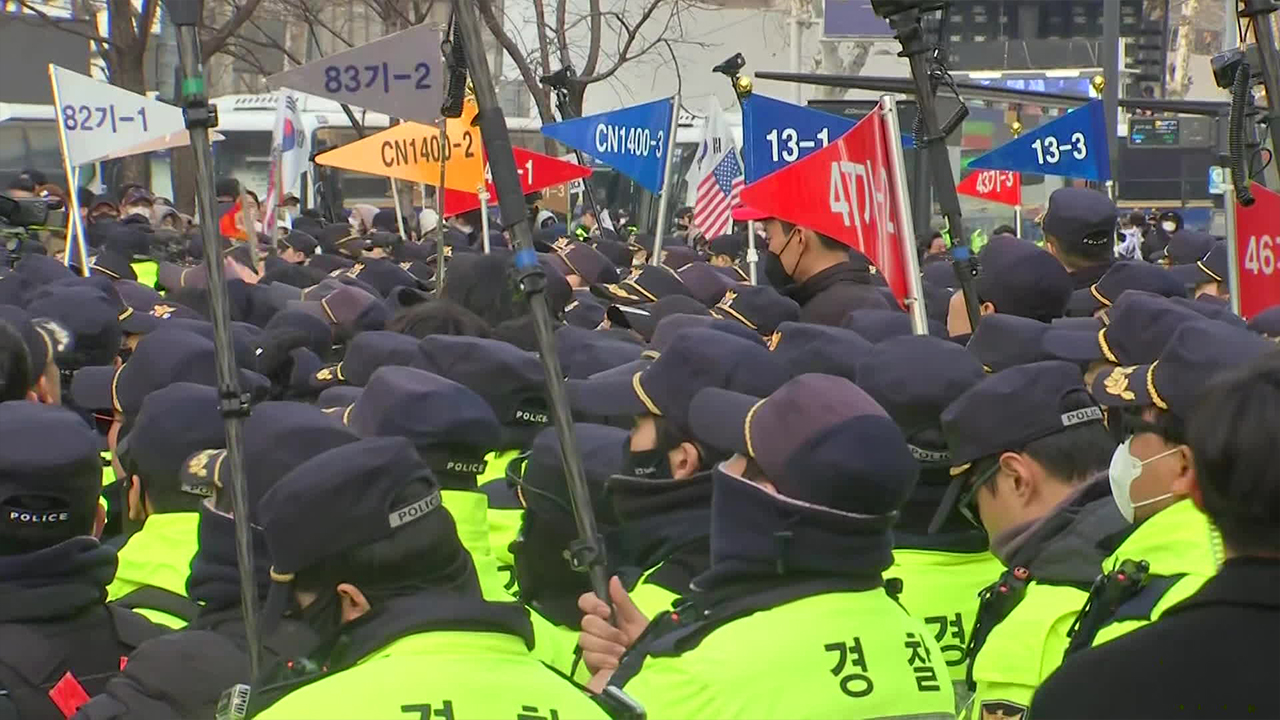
(129, 72)
(182, 167)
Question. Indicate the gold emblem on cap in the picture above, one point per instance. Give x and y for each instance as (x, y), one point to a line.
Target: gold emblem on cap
(336, 273)
(562, 244)
(774, 339)
(163, 311)
(198, 464)
(448, 251)
(728, 298)
(1117, 383)
(406, 265)
(355, 270)
(327, 374)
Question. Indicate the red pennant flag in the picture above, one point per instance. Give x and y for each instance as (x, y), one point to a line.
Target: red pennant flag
(997, 186)
(537, 172)
(842, 191)
(1258, 252)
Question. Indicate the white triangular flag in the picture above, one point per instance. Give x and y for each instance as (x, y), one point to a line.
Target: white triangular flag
(100, 120)
(401, 75)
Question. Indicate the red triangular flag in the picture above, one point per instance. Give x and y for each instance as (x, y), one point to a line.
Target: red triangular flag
(997, 186)
(842, 191)
(537, 172)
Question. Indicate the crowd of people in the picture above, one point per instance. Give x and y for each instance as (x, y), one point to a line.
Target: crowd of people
(1070, 510)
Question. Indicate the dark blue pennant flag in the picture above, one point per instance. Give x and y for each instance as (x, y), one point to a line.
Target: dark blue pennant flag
(632, 140)
(1074, 145)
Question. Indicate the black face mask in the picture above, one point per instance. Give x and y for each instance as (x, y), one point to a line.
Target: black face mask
(774, 271)
(324, 617)
(652, 464)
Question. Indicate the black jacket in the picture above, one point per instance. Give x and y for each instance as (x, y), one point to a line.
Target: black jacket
(1214, 655)
(1088, 275)
(56, 635)
(829, 295)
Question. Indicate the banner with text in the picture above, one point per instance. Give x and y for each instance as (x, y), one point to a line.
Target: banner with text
(101, 120)
(997, 186)
(1074, 145)
(632, 140)
(1257, 248)
(842, 191)
(400, 75)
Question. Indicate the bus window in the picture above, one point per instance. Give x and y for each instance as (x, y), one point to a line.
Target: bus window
(246, 156)
(30, 144)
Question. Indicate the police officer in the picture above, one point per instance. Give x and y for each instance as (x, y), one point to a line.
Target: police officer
(43, 340)
(174, 422)
(1017, 278)
(941, 560)
(801, 534)
(663, 491)
(1173, 548)
(1079, 229)
(1218, 644)
(60, 642)
(295, 248)
(452, 428)
(817, 272)
(368, 557)
(546, 581)
(1030, 448)
(185, 675)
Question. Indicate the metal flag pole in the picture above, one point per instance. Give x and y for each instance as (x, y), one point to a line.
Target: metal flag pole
(559, 83)
(444, 142)
(72, 195)
(395, 198)
(587, 552)
(664, 196)
(906, 225)
(1233, 246)
(753, 256)
(200, 116)
(483, 194)
(1017, 219)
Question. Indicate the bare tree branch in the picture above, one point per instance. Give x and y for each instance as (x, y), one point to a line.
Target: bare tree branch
(544, 51)
(63, 25)
(562, 38)
(212, 43)
(518, 57)
(593, 45)
(631, 34)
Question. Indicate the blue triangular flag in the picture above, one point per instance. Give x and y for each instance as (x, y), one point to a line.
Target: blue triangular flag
(1074, 145)
(632, 140)
(777, 133)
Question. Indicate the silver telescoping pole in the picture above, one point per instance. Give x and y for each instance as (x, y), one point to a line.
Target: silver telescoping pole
(904, 221)
(200, 117)
(664, 196)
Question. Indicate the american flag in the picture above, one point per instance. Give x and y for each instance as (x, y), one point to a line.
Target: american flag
(718, 192)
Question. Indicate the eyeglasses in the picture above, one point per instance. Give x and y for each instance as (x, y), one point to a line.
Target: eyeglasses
(968, 504)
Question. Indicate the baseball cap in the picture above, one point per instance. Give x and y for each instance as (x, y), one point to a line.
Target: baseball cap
(809, 348)
(366, 353)
(174, 423)
(759, 307)
(671, 326)
(731, 244)
(584, 311)
(543, 488)
(1079, 217)
(584, 352)
(1022, 279)
(1267, 322)
(450, 426)
(644, 319)
(511, 380)
(820, 440)
(645, 284)
(677, 256)
(161, 358)
(914, 378)
(348, 309)
(48, 490)
(1196, 353)
(746, 213)
(579, 258)
(112, 264)
(705, 282)
(345, 498)
(696, 358)
(278, 437)
(1186, 246)
(1139, 325)
(300, 241)
(1003, 341)
(45, 339)
(1016, 406)
(1122, 276)
(1213, 267)
(878, 325)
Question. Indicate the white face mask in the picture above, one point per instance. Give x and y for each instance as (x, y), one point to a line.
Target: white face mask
(292, 210)
(1169, 226)
(1125, 468)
